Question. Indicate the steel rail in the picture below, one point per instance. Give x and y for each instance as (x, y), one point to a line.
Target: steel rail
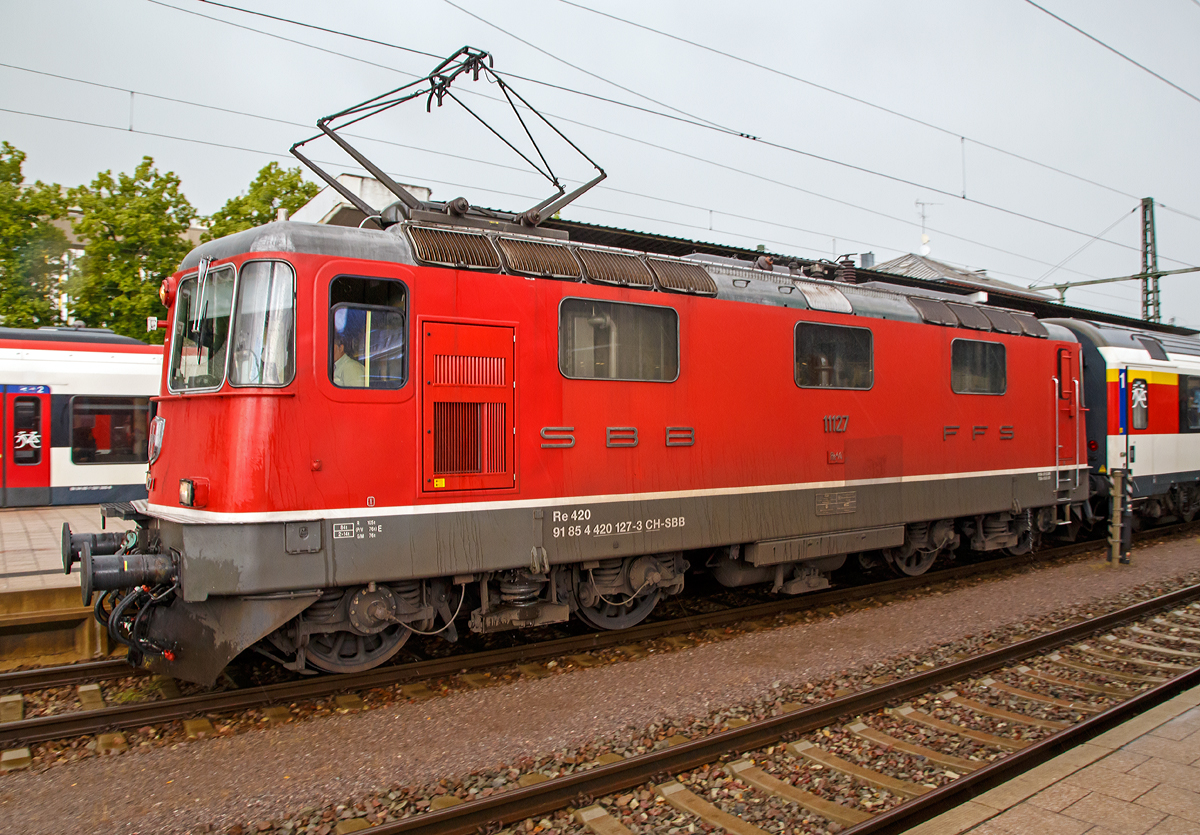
(582, 788)
(87, 722)
(68, 674)
(41, 678)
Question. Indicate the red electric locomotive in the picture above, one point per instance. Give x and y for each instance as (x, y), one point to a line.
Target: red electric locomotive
(365, 433)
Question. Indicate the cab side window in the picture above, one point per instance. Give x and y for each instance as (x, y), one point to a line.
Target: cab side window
(978, 367)
(368, 333)
(834, 356)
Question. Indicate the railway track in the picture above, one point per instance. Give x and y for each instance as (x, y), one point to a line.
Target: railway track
(109, 718)
(98, 718)
(1150, 658)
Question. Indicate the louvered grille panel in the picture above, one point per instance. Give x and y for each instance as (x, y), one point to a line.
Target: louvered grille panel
(538, 259)
(456, 438)
(494, 438)
(454, 370)
(453, 249)
(683, 277)
(469, 438)
(613, 268)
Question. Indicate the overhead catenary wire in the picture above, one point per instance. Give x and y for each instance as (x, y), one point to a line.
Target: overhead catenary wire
(849, 97)
(1096, 237)
(747, 136)
(756, 238)
(820, 157)
(1115, 51)
(436, 152)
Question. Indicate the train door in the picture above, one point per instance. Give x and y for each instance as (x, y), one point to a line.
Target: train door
(25, 423)
(467, 417)
(1140, 421)
(1069, 429)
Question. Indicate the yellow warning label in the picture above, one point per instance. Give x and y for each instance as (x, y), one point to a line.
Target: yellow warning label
(439, 482)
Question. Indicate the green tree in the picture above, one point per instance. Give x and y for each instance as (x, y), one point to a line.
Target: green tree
(133, 226)
(273, 189)
(31, 247)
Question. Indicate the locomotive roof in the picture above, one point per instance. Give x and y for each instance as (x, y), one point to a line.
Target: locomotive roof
(1104, 335)
(867, 293)
(51, 334)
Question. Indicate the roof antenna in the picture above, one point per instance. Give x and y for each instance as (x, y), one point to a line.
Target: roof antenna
(925, 250)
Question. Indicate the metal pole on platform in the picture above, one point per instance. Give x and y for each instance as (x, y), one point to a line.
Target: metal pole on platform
(1120, 525)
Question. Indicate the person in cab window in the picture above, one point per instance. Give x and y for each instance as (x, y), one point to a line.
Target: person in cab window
(347, 371)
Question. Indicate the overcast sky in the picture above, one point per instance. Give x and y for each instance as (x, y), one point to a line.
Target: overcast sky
(970, 86)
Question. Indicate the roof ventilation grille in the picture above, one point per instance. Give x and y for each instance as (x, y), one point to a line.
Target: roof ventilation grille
(682, 277)
(605, 267)
(538, 259)
(452, 248)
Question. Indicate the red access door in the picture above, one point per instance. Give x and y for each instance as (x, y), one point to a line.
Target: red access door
(26, 455)
(1069, 430)
(467, 419)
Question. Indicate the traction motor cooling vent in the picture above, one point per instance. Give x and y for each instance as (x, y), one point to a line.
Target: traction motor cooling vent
(450, 248)
(604, 267)
(682, 277)
(538, 259)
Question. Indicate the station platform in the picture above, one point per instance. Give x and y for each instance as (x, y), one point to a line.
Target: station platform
(31, 544)
(42, 616)
(1140, 777)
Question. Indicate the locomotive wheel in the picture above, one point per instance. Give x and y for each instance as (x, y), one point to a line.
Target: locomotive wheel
(606, 615)
(912, 565)
(349, 652)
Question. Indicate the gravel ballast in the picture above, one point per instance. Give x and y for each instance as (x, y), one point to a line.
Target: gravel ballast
(271, 775)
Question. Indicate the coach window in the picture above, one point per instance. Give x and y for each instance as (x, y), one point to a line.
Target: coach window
(833, 356)
(977, 367)
(1139, 404)
(263, 325)
(368, 333)
(615, 341)
(1189, 404)
(27, 434)
(201, 337)
(109, 430)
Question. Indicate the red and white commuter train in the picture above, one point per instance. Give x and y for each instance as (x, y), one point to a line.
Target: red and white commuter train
(463, 416)
(75, 415)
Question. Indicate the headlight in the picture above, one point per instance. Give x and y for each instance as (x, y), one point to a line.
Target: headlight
(157, 427)
(193, 492)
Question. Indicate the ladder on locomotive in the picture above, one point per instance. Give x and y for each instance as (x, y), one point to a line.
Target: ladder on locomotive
(1068, 417)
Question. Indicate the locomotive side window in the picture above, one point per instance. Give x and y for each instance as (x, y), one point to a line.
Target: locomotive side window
(833, 356)
(1139, 404)
(263, 325)
(201, 337)
(27, 431)
(616, 341)
(109, 430)
(368, 333)
(1189, 404)
(977, 367)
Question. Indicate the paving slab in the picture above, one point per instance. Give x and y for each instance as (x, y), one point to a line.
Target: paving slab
(31, 544)
(1131, 780)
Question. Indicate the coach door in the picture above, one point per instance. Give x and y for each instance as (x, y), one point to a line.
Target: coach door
(26, 456)
(467, 418)
(1069, 429)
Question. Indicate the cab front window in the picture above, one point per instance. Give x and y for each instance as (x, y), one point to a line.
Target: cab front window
(200, 339)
